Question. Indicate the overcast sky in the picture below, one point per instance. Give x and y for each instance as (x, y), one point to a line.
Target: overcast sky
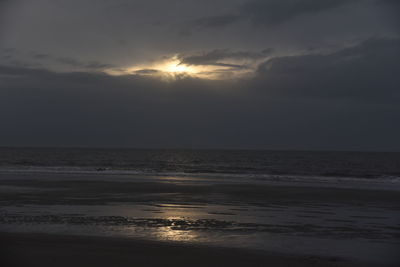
(248, 74)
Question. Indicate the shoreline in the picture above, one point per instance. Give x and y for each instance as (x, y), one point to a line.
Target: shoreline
(34, 249)
(248, 224)
(205, 179)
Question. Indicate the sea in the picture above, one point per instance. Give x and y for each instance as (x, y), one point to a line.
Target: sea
(342, 205)
(233, 163)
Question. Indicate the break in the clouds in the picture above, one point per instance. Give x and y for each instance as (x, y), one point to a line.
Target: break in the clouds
(285, 74)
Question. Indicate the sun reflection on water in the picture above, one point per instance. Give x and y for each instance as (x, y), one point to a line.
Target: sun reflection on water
(179, 212)
(170, 234)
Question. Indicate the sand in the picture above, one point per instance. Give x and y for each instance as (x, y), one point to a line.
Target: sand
(272, 224)
(57, 250)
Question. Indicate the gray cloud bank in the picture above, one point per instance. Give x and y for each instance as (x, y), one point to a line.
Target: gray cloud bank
(270, 12)
(273, 12)
(122, 33)
(216, 56)
(348, 99)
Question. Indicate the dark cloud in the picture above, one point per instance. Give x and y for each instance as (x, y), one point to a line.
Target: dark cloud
(18, 71)
(147, 71)
(268, 12)
(69, 61)
(40, 56)
(8, 54)
(3, 3)
(363, 72)
(271, 12)
(216, 56)
(122, 33)
(233, 66)
(94, 65)
(315, 101)
(9, 50)
(97, 65)
(329, 83)
(209, 22)
(12, 57)
(394, 3)
(393, 7)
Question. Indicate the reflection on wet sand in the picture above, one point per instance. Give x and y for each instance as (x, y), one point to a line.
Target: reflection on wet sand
(261, 216)
(169, 234)
(177, 212)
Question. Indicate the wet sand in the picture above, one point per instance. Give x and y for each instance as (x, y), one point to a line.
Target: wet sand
(57, 250)
(100, 220)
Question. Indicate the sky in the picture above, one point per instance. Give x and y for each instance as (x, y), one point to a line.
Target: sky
(235, 74)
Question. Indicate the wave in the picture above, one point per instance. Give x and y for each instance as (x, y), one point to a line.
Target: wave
(209, 176)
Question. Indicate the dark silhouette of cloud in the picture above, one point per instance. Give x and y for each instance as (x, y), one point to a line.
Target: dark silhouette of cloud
(346, 99)
(210, 22)
(216, 56)
(330, 81)
(121, 33)
(393, 3)
(268, 12)
(393, 7)
(271, 12)
(147, 71)
(11, 55)
(339, 74)
(97, 65)
(79, 64)
(41, 56)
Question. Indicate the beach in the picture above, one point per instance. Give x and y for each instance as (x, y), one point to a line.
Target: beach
(57, 250)
(100, 218)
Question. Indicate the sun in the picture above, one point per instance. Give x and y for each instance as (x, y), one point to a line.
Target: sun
(175, 66)
(170, 68)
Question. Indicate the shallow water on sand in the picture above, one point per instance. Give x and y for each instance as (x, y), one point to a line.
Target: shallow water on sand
(330, 219)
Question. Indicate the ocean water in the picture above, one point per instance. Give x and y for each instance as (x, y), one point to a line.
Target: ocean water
(336, 204)
(367, 165)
